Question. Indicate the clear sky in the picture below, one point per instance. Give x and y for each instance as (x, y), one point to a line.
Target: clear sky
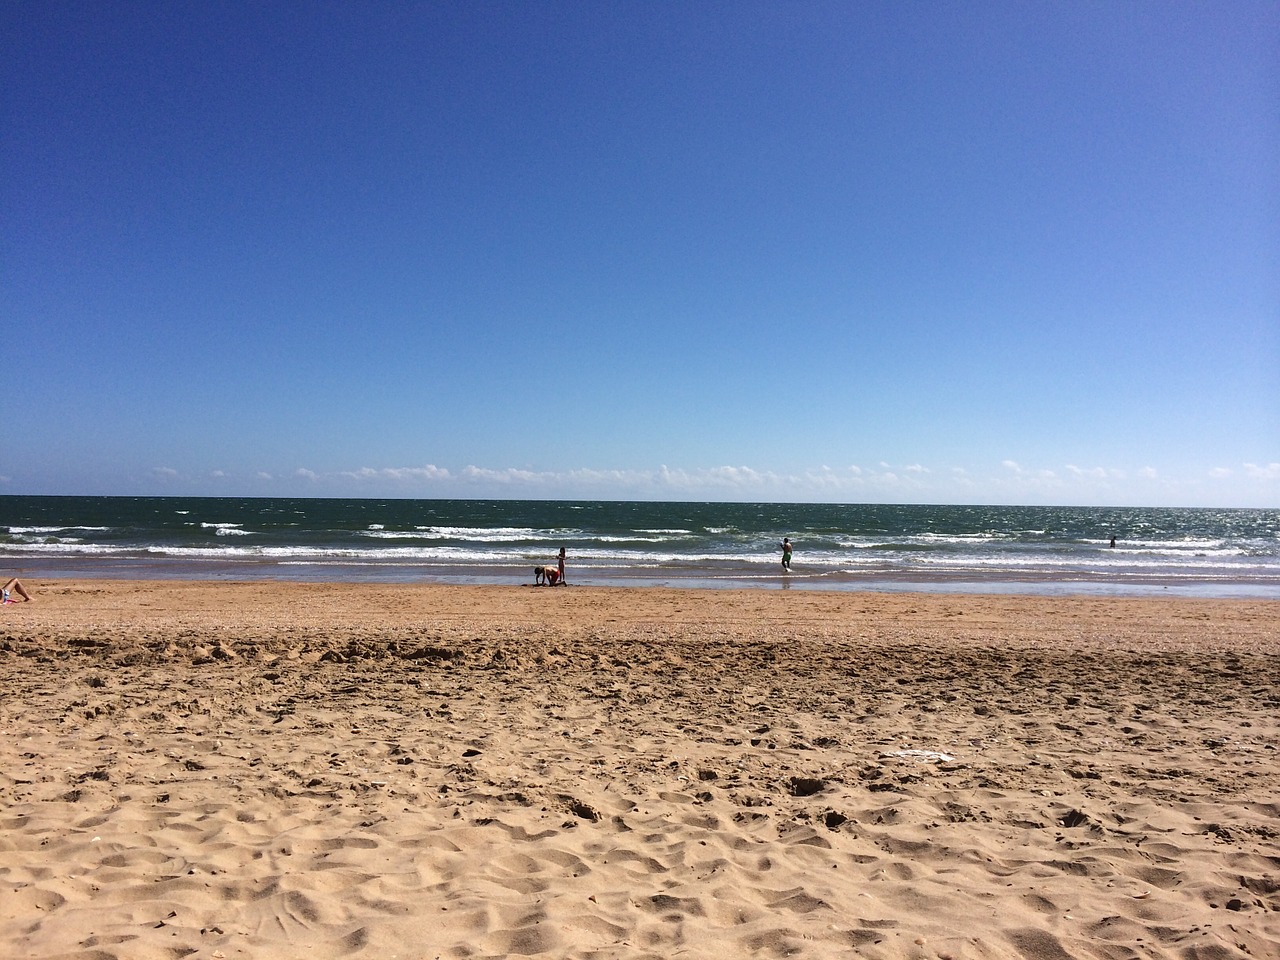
(889, 252)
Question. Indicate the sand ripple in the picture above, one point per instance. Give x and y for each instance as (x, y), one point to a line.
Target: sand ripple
(288, 771)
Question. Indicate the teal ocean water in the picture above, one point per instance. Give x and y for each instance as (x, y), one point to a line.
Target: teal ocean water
(839, 547)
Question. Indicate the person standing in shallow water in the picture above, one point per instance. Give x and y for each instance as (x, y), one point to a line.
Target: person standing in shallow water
(561, 564)
(786, 554)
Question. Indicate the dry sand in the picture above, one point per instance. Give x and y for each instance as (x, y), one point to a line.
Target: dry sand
(289, 770)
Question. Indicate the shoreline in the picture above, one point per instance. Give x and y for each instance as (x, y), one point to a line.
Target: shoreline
(927, 590)
(951, 582)
(369, 770)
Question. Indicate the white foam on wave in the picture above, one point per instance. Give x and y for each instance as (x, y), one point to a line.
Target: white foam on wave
(610, 538)
(1184, 547)
(318, 554)
(1094, 562)
(52, 531)
(67, 547)
(227, 529)
(494, 534)
(925, 541)
(977, 537)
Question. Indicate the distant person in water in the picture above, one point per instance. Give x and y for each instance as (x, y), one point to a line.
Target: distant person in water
(561, 565)
(1113, 542)
(786, 554)
(13, 586)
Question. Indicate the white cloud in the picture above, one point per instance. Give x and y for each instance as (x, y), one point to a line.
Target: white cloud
(397, 474)
(428, 472)
(739, 476)
(826, 478)
(603, 478)
(1220, 473)
(733, 481)
(1094, 473)
(506, 477)
(914, 482)
(1005, 481)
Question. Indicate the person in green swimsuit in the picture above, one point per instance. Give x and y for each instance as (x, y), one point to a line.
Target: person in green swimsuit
(786, 554)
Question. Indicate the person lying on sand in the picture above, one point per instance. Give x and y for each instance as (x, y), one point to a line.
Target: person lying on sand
(14, 585)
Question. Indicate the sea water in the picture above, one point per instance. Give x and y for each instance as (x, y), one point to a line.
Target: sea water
(1202, 552)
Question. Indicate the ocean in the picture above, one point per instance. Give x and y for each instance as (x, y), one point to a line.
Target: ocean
(1043, 550)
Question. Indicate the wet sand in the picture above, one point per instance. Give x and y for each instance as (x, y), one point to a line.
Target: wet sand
(284, 770)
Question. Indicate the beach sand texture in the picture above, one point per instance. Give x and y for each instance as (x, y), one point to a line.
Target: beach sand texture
(302, 770)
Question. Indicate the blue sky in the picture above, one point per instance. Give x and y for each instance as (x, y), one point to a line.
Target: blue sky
(884, 252)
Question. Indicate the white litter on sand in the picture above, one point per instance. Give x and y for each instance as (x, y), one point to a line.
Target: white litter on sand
(931, 756)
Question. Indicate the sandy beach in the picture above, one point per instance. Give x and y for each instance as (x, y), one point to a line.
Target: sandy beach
(307, 770)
